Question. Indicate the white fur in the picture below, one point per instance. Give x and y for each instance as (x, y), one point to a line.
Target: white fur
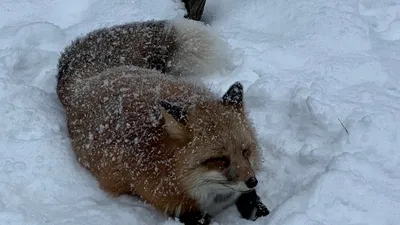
(206, 192)
(200, 50)
(178, 211)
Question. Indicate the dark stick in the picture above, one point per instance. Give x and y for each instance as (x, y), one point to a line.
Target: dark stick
(194, 9)
(343, 126)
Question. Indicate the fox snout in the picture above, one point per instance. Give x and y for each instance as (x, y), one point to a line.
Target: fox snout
(251, 182)
(243, 173)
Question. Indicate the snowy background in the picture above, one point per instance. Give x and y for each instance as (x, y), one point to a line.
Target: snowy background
(305, 64)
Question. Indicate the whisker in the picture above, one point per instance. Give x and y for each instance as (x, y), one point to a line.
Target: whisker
(205, 182)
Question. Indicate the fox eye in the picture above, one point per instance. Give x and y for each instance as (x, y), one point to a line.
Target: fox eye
(246, 153)
(218, 162)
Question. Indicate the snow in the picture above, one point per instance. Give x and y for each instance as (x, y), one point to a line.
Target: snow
(305, 65)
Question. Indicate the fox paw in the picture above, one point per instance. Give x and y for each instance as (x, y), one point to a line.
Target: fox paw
(260, 210)
(250, 206)
(195, 218)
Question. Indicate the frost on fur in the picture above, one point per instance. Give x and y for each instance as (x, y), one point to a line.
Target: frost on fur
(179, 47)
(176, 144)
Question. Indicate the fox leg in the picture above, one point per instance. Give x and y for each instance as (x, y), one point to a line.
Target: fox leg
(195, 218)
(114, 187)
(250, 206)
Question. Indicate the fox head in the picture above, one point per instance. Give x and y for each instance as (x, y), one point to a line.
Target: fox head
(220, 153)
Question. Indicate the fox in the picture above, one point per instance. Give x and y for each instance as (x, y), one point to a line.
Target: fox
(142, 129)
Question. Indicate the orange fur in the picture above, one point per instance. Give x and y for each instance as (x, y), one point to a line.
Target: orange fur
(122, 135)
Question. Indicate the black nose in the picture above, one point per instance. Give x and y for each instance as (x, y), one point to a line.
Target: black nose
(252, 182)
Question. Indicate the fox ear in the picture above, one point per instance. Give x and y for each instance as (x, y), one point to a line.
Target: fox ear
(178, 113)
(175, 118)
(234, 95)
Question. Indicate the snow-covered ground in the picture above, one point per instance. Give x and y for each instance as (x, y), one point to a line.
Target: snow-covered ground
(305, 64)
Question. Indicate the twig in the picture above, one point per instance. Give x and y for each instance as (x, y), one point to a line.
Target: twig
(344, 127)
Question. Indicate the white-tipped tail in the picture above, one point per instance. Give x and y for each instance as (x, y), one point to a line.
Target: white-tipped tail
(200, 50)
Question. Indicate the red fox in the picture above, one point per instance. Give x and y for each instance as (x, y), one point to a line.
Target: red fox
(140, 130)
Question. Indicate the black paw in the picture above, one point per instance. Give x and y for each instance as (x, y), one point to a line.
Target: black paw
(262, 210)
(195, 218)
(250, 206)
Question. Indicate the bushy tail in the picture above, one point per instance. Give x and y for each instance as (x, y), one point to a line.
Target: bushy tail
(200, 50)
